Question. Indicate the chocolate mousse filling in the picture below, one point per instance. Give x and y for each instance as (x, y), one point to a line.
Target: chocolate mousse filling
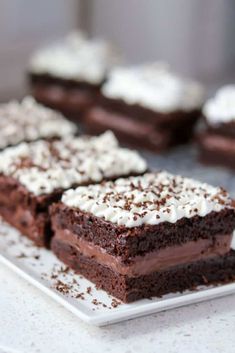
(218, 143)
(158, 260)
(127, 129)
(146, 236)
(71, 101)
(216, 149)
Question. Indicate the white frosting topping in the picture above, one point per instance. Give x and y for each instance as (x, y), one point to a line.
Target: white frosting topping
(149, 199)
(155, 87)
(76, 57)
(221, 108)
(28, 121)
(44, 166)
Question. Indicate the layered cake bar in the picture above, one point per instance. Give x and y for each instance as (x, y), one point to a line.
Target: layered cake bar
(33, 175)
(147, 106)
(68, 74)
(29, 121)
(146, 236)
(217, 141)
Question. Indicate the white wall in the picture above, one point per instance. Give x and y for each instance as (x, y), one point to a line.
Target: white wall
(24, 25)
(195, 36)
(190, 34)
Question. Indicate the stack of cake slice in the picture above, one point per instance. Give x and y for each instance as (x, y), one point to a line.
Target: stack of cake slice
(33, 175)
(134, 233)
(147, 106)
(146, 236)
(217, 141)
(68, 74)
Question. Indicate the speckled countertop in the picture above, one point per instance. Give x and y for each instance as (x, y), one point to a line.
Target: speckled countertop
(31, 322)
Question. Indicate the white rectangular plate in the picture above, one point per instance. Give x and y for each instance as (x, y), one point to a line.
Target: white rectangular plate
(41, 268)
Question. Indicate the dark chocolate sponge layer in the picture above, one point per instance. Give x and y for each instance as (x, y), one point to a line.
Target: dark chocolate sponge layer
(177, 279)
(221, 153)
(218, 158)
(126, 242)
(70, 97)
(130, 132)
(139, 126)
(27, 212)
(162, 120)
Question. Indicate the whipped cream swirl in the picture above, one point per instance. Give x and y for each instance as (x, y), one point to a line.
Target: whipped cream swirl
(152, 198)
(77, 58)
(155, 87)
(29, 121)
(221, 108)
(44, 166)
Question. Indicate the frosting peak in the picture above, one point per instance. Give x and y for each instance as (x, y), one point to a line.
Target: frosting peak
(153, 86)
(148, 199)
(221, 108)
(44, 166)
(77, 58)
(28, 121)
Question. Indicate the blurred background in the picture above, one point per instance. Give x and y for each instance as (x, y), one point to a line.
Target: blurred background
(195, 36)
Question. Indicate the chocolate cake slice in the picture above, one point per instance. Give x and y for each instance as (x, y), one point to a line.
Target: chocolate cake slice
(217, 141)
(29, 121)
(33, 175)
(147, 106)
(68, 74)
(146, 236)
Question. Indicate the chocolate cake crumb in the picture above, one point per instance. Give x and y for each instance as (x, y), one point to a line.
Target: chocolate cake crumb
(21, 256)
(98, 303)
(75, 282)
(63, 270)
(62, 287)
(80, 296)
(95, 302)
(54, 276)
(88, 290)
(115, 303)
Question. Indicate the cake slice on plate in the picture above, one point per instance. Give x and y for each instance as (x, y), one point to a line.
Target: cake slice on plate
(33, 175)
(146, 236)
(68, 74)
(217, 141)
(148, 106)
